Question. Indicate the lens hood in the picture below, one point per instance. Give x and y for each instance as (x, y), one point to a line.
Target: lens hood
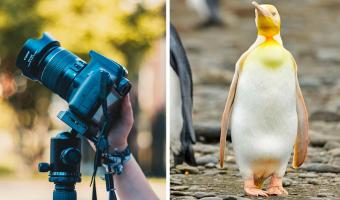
(32, 53)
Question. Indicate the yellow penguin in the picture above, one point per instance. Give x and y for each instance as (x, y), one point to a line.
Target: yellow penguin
(268, 116)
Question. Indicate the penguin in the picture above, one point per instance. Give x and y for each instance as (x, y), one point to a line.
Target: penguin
(267, 112)
(181, 92)
(208, 11)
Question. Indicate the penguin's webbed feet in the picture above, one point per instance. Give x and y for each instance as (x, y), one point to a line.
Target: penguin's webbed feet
(275, 186)
(251, 189)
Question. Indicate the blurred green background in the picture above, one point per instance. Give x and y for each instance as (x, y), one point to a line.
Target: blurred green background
(132, 32)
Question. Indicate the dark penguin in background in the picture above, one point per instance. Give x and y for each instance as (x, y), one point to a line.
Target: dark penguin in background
(208, 10)
(181, 128)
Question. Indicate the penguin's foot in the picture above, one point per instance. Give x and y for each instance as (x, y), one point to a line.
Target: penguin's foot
(251, 189)
(275, 186)
(277, 190)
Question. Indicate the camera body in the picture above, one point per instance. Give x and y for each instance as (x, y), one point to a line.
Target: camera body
(81, 84)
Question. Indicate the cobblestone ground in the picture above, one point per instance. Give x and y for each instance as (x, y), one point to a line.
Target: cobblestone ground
(309, 32)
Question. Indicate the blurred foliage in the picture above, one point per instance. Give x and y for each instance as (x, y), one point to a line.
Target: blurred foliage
(123, 30)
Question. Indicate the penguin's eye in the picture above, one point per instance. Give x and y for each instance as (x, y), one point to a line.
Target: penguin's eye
(273, 13)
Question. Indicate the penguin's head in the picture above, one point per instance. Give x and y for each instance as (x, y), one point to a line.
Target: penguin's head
(267, 19)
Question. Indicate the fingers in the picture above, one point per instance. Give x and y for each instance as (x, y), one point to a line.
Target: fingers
(127, 113)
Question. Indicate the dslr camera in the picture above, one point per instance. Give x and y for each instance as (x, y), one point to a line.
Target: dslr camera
(83, 85)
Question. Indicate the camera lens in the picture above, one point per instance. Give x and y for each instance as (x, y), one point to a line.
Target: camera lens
(32, 53)
(44, 60)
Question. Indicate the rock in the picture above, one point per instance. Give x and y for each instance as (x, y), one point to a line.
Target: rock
(335, 152)
(208, 130)
(210, 165)
(214, 76)
(184, 169)
(287, 182)
(211, 198)
(211, 173)
(308, 175)
(176, 182)
(179, 188)
(332, 145)
(319, 159)
(184, 198)
(319, 140)
(328, 54)
(200, 195)
(195, 188)
(321, 168)
(231, 159)
(206, 159)
(325, 195)
(232, 197)
(332, 175)
(310, 82)
(326, 116)
(206, 149)
(314, 181)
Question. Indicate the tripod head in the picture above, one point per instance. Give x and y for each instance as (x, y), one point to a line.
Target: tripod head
(64, 166)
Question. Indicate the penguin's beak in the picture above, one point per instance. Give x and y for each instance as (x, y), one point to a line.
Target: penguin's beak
(261, 10)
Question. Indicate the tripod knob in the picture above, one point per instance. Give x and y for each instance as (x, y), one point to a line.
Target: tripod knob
(44, 167)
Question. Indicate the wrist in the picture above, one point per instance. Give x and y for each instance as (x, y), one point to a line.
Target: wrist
(117, 146)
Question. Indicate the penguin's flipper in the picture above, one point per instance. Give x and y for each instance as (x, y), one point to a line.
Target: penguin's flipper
(228, 106)
(302, 138)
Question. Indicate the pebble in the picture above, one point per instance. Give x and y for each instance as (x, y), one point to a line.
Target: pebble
(175, 182)
(186, 169)
(211, 198)
(210, 165)
(232, 197)
(201, 195)
(314, 182)
(179, 188)
(308, 175)
(327, 116)
(319, 140)
(318, 159)
(184, 198)
(287, 182)
(335, 152)
(325, 195)
(203, 160)
(332, 145)
(332, 175)
(322, 168)
(211, 173)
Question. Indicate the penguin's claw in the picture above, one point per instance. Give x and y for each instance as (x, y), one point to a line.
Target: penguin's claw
(253, 191)
(277, 190)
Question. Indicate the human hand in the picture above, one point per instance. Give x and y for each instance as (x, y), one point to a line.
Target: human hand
(119, 132)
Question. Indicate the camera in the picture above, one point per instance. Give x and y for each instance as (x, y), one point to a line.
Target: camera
(81, 84)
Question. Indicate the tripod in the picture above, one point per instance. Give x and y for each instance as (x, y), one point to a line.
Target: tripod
(64, 166)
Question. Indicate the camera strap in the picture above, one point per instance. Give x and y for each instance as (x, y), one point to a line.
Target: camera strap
(102, 143)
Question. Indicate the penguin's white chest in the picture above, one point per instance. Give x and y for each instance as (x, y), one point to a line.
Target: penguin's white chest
(264, 117)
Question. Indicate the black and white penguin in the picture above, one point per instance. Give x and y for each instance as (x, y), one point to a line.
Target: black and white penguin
(208, 11)
(181, 128)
